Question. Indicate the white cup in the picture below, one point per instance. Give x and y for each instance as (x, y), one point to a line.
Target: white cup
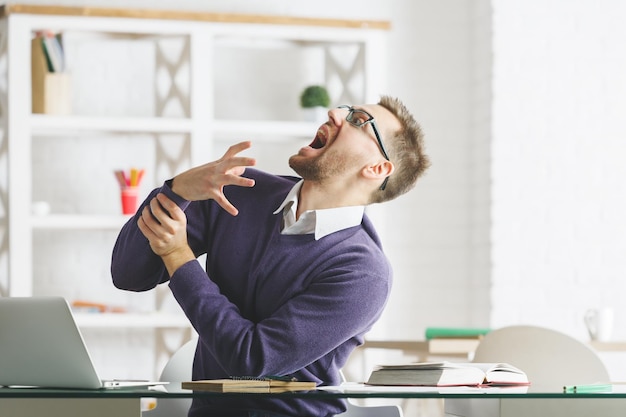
(599, 322)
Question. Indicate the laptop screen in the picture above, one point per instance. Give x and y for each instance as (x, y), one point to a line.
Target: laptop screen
(40, 345)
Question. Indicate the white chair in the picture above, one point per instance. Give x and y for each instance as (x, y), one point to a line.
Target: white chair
(178, 369)
(551, 359)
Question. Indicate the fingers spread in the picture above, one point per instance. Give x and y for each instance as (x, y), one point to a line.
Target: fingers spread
(236, 148)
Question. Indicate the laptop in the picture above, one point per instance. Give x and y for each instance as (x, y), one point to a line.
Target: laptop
(41, 346)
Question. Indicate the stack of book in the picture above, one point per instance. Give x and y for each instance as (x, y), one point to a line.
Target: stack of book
(453, 340)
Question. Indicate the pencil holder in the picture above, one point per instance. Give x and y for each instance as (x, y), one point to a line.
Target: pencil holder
(129, 200)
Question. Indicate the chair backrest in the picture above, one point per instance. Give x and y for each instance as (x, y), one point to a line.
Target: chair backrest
(551, 359)
(177, 370)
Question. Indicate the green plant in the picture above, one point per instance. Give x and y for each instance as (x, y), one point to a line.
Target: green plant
(313, 96)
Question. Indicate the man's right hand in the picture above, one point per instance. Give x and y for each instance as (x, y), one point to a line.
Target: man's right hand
(207, 181)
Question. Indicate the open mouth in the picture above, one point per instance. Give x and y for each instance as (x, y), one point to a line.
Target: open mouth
(320, 139)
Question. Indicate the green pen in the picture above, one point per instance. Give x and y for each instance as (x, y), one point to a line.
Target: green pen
(583, 389)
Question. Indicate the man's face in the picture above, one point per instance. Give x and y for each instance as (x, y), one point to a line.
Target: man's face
(340, 150)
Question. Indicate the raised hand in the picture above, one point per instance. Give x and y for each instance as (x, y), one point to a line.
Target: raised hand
(207, 181)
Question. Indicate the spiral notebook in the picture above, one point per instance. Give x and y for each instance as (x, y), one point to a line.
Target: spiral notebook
(248, 384)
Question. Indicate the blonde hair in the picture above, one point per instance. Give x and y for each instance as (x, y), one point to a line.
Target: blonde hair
(406, 152)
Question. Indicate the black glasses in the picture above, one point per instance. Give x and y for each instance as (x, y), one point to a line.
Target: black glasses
(359, 118)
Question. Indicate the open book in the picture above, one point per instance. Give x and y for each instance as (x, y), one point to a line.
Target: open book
(448, 374)
(248, 385)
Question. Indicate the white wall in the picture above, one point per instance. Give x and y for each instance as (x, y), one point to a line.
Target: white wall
(558, 162)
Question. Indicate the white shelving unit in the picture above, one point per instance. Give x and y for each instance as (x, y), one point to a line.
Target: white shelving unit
(131, 320)
(201, 36)
(60, 125)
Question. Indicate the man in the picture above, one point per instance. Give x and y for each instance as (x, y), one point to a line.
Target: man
(295, 273)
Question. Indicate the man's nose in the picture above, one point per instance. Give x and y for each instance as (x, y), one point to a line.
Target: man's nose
(337, 115)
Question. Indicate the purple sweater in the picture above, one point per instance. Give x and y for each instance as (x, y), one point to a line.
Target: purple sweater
(268, 304)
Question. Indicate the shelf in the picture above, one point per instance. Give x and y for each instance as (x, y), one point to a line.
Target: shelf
(190, 80)
(131, 320)
(44, 124)
(265, 129)
(192, 16)
(78, 222)
(608, 346)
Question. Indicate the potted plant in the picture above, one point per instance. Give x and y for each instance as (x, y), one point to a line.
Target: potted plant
(315, 101)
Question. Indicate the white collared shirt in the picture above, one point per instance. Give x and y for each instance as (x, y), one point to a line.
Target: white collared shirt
(320, 222)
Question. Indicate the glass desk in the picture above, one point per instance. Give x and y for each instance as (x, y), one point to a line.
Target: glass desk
(22, 402)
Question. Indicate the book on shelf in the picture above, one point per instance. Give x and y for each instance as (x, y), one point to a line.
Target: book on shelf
(453, 340)
(50, 84)
(455, 332)
(248, 384)
(448, 374)
(51, 46)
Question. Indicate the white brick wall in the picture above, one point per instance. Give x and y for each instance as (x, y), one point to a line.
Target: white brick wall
(558, 162)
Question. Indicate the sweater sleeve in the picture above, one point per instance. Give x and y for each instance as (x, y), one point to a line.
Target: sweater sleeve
(134, 266)
(332, 313)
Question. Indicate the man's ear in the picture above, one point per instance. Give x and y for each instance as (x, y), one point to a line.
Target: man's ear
(379, 171)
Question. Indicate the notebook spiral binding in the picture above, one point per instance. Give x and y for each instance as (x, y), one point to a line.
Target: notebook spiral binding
(264, 378)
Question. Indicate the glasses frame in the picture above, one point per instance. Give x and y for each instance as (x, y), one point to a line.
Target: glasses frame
(371, 121)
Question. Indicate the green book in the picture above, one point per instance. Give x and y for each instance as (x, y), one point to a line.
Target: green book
(46, 54)
(436, 332)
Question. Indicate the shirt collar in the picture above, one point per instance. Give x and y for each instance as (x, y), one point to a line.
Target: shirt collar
(320, 222)
(292, 197)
